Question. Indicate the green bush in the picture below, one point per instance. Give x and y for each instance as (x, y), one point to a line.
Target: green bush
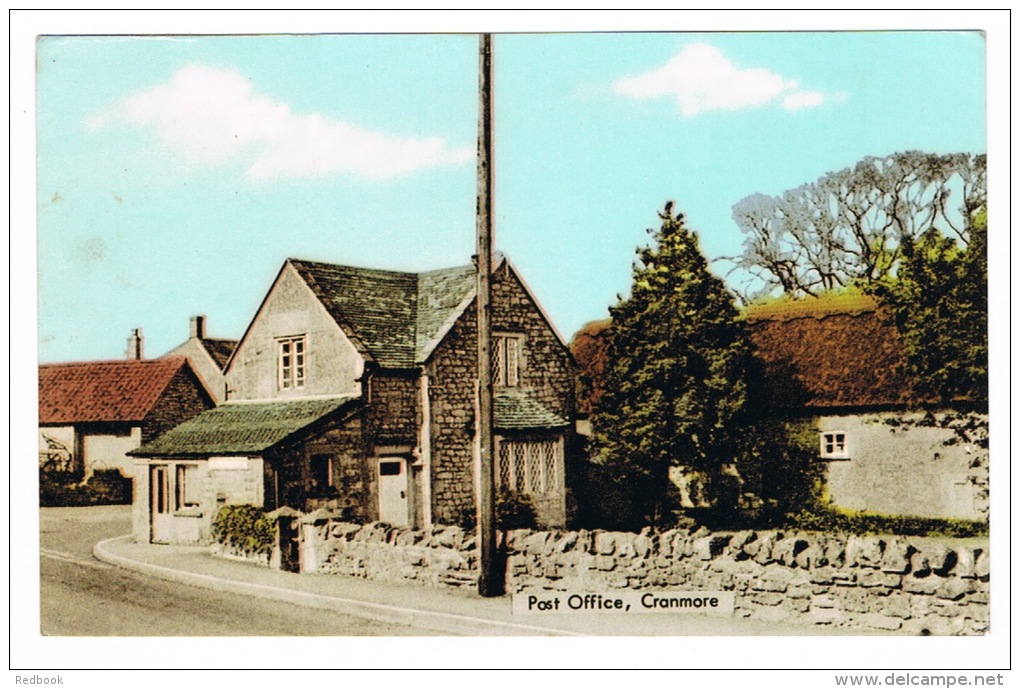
(245, 528)
(834, 519)
(104, 487)
(515, 511)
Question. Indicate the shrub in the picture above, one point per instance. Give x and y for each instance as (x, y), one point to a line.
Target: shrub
(104, 487)
(515, 511)
(245, 528)
(833, 519)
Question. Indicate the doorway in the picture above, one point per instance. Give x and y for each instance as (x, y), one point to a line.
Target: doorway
(159, 504)
(393, 501)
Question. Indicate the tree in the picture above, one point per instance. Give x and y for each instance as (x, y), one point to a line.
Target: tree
(940, 301)
(850, 227)
(675, 377)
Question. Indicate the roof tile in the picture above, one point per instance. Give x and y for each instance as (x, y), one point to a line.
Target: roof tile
(396, 316)
(241, 427)
(519, 411)
(95, 391)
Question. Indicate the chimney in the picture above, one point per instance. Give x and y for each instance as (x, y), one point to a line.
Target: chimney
(136, 345)
(197, 327)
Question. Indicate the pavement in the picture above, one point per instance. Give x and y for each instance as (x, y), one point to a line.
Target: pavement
(455, 612)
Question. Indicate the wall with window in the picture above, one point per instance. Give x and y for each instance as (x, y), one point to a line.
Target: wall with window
(533, 464)
(293, 349)
(545, 367)
(195, 489)
(528, 357)
(904, 464)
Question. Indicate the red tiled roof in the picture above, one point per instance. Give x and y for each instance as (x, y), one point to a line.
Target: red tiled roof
(831, 352)
(103, 390)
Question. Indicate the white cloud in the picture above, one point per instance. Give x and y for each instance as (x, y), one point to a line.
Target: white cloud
(798, 100)
(702, 78)
(214, 116)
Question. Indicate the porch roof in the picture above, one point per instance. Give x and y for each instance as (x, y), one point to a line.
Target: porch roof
(237, 428)
(519, 411)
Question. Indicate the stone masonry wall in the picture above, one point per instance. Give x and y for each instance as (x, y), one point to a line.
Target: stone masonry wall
(547, 373)
(905, 585)
(184, 398)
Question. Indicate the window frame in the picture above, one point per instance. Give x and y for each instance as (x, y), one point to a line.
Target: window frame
(838, 441)
(184, 499)
(530, 465)
(291, 362)
(315, 462)
(505, 375)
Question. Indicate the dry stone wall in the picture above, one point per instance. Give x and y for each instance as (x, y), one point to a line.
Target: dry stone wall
(876, 583)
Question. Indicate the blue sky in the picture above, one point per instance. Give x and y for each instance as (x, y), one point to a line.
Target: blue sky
(175, 175)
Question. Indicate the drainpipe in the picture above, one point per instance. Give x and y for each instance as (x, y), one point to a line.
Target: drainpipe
(425, 448)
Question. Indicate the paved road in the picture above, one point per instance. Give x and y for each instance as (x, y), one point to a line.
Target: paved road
(80, 596)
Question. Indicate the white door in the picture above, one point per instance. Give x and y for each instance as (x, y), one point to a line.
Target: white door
(393, 503)
(159, 503)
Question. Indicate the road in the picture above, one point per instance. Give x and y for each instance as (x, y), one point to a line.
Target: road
(80, 596)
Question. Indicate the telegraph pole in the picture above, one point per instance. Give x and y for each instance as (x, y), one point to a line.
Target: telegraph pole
(490, 580)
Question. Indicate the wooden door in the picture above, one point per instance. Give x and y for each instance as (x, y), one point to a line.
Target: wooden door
(160, 510)
(393, 502)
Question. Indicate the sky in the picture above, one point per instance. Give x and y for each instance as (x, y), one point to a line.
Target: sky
(176, 174)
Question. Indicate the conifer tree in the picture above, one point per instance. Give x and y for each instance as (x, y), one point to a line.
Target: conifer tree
(676, 376)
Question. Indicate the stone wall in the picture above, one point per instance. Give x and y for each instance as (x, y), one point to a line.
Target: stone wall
(184, 398)
(911, 464)
(333, 365)
(546, 372)
(886, 583)
(905, 585)
(439, 556)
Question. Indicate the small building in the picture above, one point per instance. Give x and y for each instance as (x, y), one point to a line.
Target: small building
(837, 363)
(354, 389)
(92, 413)
(207, 356)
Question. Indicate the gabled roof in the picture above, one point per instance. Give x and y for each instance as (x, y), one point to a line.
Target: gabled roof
(238, 428)
(519, 411)
(397, 317)
(94, 391)
(219, 349)
(831, 352)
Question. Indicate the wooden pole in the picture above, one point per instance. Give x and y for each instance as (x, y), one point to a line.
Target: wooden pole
(490, 580)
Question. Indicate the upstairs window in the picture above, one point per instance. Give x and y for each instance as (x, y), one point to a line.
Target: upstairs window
(291, 368)
(506, 360)
(834, 445)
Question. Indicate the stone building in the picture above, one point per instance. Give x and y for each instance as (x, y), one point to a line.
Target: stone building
(354, 390)
(835, 366)
(837, 363)
(91, 414)
(207, 356)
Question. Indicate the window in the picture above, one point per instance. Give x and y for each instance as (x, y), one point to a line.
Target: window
(530, 466)
(187, 486)
(291, 370)
(834, 445)
(322, 472)
(506, 360)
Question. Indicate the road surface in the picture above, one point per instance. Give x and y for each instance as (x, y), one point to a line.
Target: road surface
(81, 596)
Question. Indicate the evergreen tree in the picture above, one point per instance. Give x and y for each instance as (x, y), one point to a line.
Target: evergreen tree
(676, 374)
(940, 299)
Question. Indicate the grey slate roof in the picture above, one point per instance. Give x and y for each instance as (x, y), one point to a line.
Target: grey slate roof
(395, 316)
(240, 427)
(519, 411)
(219, 349)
